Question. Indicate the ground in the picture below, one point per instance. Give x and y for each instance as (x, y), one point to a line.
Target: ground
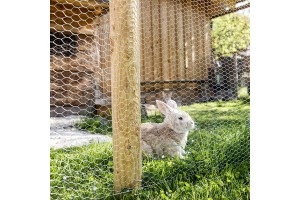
(216, 166)
(63, 133)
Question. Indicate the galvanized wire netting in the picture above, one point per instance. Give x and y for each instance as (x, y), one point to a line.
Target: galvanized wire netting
(178, 64)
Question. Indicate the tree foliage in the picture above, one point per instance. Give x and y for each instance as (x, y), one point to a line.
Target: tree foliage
(230, 34)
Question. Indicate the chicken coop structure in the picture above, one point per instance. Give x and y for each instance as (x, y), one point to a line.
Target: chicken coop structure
(175, 52)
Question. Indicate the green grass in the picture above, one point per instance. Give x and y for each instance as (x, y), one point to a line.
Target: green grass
(96, 125)
(216, 166)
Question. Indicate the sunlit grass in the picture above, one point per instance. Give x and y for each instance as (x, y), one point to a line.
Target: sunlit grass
(216, 165)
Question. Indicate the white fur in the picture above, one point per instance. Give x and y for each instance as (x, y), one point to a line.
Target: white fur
(168, 100)
(170, 136)
(171, 103)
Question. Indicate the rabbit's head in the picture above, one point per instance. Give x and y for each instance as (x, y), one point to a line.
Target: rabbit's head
(177, 120)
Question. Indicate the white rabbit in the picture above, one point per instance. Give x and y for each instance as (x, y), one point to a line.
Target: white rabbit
(168, 100)
(168, 137)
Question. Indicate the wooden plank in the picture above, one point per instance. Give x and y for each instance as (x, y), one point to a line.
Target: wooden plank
(156, 40)
(69, 21)
(91, 4)
(75, 13)
(180, 40)
(196, 37)
(62, 6)
(126, 118)
(71, 64)
(190, 70)
(149, 42)
(176, 68)
(98, 51)
(165, 40)
(71, 9)
(207, 41)
(203, 68)
(233, 10)
(142, 42)
(172, 39)
(103, 48)
(69, 28)
(188, 41)
(218, 7)
(106, 62)
(185, 30)
(193, 41)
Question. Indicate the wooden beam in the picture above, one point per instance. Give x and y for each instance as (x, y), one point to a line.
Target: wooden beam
(90, 4)
(156, 70)
(180, 41)
(71, 9)
(232, 10)
(69, 28)
(126, 110)
(75, 13)
(172, 39)
(239, 1)
(175, 81)
(77, 22)
(163, 42)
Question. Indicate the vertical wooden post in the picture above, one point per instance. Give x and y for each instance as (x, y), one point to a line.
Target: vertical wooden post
(126, 113)
(209, 70)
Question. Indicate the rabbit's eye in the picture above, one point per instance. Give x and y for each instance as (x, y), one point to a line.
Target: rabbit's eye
(180, 118)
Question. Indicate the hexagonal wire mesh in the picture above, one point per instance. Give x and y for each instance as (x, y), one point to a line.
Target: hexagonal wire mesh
(179, 65)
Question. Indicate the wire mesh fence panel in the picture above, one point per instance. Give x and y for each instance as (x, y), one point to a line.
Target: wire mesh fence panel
(81, 150)
(146, 93)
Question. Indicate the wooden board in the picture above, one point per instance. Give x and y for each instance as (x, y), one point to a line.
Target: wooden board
(90, 4)
(198, 55)
(188, 41)
(157, 50)
(103, 55)
(180, 42)
(165, 40)
(218, 7)
(172, 40)
(207, 42)
(61, 10)
(69, 28)
(147, 40)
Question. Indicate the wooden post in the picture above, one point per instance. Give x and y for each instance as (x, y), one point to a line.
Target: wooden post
(126, 113)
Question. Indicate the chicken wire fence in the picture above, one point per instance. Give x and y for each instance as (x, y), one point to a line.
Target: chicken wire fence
(110, 63)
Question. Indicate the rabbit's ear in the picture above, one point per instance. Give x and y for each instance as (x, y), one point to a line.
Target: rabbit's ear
(172, 104)
(163, 108)
(164, 94)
